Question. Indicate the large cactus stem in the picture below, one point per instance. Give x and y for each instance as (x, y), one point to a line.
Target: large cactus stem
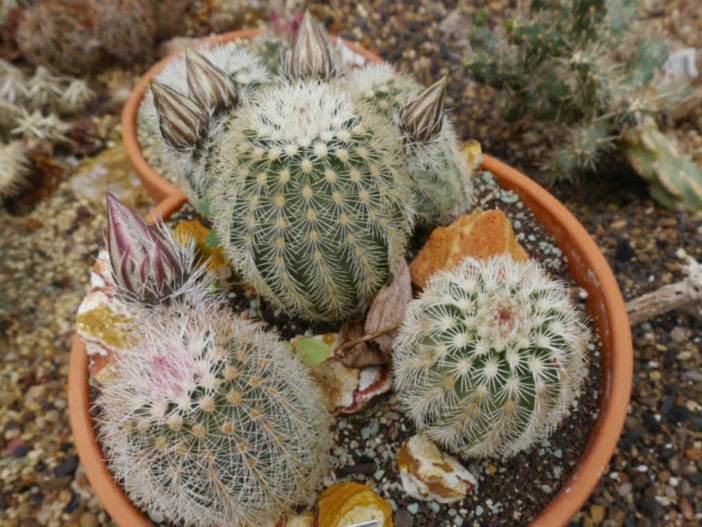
(676, 181)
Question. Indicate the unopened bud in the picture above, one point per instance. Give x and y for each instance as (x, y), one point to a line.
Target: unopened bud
(422, 117)
(143, 263)
(209, 85)
(182, 120)
(310, 56)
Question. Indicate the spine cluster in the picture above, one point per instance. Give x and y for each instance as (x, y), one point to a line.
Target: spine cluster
(490, 357)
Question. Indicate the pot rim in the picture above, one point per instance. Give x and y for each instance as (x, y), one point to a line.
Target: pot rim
(157, 187)
(605, 304)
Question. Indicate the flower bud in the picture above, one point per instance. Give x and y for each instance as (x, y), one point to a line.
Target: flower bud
(310, 56)
(143, 263)
(182, 120)
(422, 117)
(209, 85)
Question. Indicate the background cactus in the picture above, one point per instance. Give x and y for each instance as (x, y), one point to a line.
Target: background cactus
(310, 199)
(126, 28)
(578, 65)
(13, 168)
(490, 357)
(60, 34)
(210, 421)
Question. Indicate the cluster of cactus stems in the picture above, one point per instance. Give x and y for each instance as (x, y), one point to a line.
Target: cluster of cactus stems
(313, 184)
(490, 357)
(578, 65)
(76, 36)
(32, 113)
(209, 420)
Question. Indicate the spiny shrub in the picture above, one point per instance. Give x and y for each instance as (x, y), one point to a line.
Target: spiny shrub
(310, 199)
(489, 359)
(585, 67)
(210, 421)
(60, 34)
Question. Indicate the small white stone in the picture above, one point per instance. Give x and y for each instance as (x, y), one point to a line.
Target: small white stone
(431, 475)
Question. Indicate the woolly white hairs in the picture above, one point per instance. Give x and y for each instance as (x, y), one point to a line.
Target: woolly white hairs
(44, 88)
(310, 199)
(13, 168)
(75, 98)
(244, 67)
(210, 421)
(36, 127)
(490, 357)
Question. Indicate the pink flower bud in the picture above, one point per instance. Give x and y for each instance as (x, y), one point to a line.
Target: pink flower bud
(422, 117)
(144, 264)
(182, 120)
(310, 56)
(209, 85)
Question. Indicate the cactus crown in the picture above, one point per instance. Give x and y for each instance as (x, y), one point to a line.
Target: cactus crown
(209, 421)
(490, 357)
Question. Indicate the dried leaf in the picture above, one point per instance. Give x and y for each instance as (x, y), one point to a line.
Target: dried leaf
(362, 354)
(389, 305)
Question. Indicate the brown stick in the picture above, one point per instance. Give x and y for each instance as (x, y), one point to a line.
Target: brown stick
(340, 351)
(668, 297)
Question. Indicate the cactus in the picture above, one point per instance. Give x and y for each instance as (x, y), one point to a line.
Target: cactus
(579, 65)
(126, 28)
(12, 83)
(60, 34)
(310, 199)
(13, 169)
(210, 421)
(490, 357)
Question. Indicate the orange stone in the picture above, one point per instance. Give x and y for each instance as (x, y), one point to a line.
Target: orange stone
(350, 503)
(481, 235)
(196, 230)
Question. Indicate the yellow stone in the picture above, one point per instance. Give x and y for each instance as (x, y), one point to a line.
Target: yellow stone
(349, 503)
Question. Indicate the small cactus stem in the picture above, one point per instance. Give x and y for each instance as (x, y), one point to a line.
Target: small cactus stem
(310, 56)
(182, 121)
(422, 117)
(209, 85)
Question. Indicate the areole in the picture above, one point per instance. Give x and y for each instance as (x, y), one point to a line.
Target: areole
(587, 264)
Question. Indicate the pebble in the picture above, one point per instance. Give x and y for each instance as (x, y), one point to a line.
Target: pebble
(677, 335)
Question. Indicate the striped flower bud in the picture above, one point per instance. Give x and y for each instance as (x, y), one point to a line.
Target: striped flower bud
(144, 265)
(422, 117)
(310, 56)
(209, 85)
(182, 121)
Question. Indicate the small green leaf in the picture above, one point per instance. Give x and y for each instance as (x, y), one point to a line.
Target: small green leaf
(211, 240)
(315, 351)
(203, 207)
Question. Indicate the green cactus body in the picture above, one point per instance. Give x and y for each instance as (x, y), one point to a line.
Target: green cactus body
(126, 28)
(219, 426)
(383, 87)
(60, 34)
(310, 200)
(676, 181)
(490, 357)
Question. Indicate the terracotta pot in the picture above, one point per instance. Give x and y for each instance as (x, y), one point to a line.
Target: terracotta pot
(157, 187)
(605, 304)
